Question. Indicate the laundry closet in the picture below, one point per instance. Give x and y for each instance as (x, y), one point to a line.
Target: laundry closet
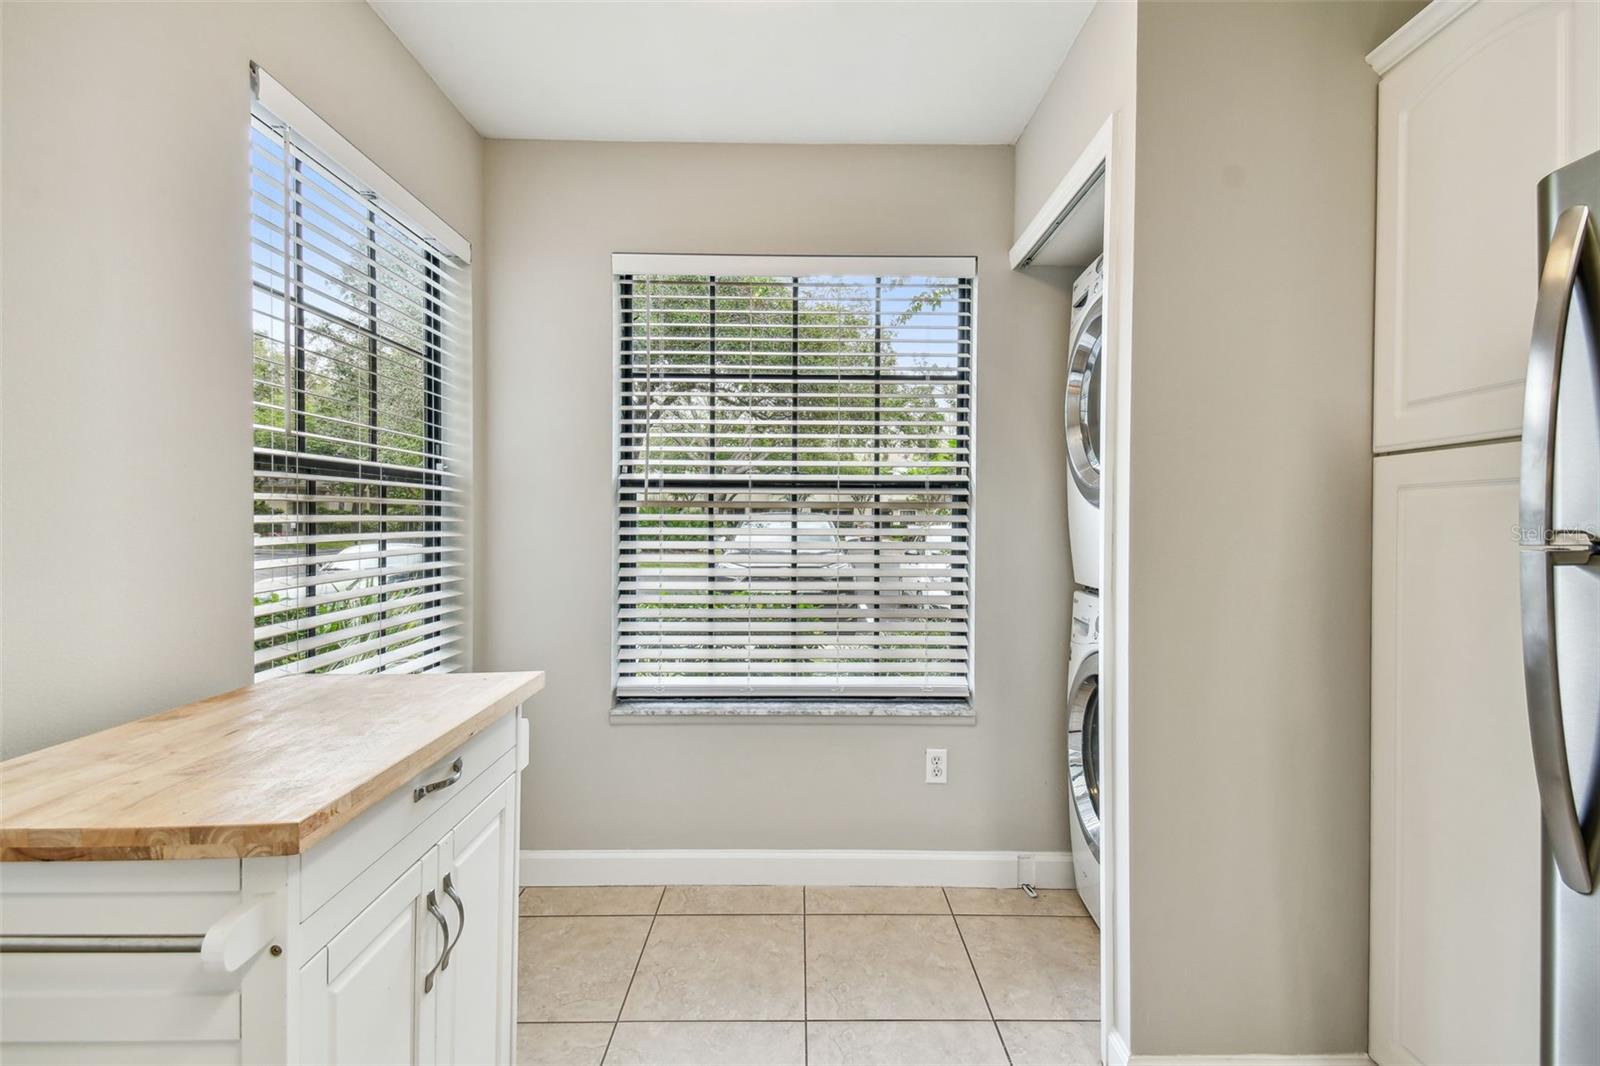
(1067, 239)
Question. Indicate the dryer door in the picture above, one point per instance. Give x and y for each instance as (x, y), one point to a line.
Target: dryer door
(1083, 750)
(1083, 402)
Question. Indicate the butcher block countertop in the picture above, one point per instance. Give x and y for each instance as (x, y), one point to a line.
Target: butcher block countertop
(264, 770)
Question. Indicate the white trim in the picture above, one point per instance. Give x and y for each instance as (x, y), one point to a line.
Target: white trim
(1408, 38)
(1109, 152)
(956, 869)
(1354, 1058)
(331, 148)
(1095, 155)
(954, 266)
(1117, 1054)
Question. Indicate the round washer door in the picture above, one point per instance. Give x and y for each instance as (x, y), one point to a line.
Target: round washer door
(1083, 401)
(1083, 750)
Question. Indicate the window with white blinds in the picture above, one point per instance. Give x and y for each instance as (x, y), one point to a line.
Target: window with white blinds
(359, 512)
(794, 478)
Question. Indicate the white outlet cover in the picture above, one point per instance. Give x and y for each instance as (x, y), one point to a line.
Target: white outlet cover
(936, 765)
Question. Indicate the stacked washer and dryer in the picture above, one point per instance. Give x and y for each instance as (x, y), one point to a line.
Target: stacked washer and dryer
(1084, 375)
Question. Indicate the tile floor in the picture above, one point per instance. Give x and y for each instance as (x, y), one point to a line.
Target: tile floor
(811, 976)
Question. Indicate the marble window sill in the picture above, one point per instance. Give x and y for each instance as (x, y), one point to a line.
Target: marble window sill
(667, 709)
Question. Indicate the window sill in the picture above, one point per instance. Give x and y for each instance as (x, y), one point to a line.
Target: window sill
(908, 709)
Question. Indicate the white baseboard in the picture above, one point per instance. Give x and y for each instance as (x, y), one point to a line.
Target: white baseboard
(1117, 1055)
(1355, 1059)
(956, 869)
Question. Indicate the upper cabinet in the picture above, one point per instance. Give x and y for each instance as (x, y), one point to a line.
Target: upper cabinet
(1477, 103)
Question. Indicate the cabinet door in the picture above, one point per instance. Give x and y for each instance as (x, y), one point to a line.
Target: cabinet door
(477, 988)
(361, 996)
(1467, 126)
(1455, 814)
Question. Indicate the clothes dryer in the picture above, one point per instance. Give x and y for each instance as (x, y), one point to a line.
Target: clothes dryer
(1085, 371)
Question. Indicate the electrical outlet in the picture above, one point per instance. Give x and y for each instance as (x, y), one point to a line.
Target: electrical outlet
(937, 768)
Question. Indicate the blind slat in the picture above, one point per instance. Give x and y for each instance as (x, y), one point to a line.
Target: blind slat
(931, 687)
(439, 573)
(335, 599)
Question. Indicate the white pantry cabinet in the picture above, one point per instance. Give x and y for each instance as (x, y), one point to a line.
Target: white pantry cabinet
(1477, 103)
(1455, 813)
(389, 940)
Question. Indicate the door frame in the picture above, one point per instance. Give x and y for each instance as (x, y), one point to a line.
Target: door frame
(1111, 151)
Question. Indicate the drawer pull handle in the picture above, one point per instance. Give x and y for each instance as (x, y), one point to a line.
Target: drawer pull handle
(444, 927)
(434, 786)
(461, 923)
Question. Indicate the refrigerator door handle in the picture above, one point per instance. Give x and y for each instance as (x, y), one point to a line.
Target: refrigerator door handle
(1574, 258)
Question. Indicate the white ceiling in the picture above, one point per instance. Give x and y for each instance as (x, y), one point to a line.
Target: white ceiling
(776, 71)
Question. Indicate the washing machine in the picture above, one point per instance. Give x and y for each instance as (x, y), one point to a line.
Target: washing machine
(1083, 747)
(1083, 417)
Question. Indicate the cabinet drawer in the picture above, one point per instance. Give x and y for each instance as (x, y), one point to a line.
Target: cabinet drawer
(335, 862)
(113, 999)
(117, 898)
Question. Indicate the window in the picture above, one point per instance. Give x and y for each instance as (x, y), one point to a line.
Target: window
(794, 477)
(358, 502)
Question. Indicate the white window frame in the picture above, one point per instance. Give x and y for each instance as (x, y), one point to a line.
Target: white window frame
(824, 698)
(440, 589)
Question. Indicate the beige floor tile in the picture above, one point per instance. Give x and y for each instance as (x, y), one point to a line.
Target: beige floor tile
(576, 969)
(868, 899)
(1036, 969)
(746, 967)
(731, 899)
(901, 967)
(903, 1044)
(589, 899)
(1052, 902)
(708, 1044)
(1052, 1043)
(562, 1043)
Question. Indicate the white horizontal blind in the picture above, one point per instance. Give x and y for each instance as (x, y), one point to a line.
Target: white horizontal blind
(794, 485)
(359, 515)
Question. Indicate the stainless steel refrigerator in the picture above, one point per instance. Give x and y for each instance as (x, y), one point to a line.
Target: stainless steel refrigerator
(1560, 540)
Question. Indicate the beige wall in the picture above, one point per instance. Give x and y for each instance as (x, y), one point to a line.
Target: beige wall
(1249, 526)
(1096, 79)
(125, 461)
(556, 212)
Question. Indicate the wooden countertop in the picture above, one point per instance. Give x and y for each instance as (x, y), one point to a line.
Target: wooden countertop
(264, 770)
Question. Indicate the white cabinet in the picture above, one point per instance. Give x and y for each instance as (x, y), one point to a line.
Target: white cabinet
(477, 993)
(1477, 103)
(1455, 814)
(361, 996)
(392, 941)
(426, 973)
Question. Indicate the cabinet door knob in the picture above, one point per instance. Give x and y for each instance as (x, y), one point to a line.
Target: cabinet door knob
(461, 922)
(444, 928)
